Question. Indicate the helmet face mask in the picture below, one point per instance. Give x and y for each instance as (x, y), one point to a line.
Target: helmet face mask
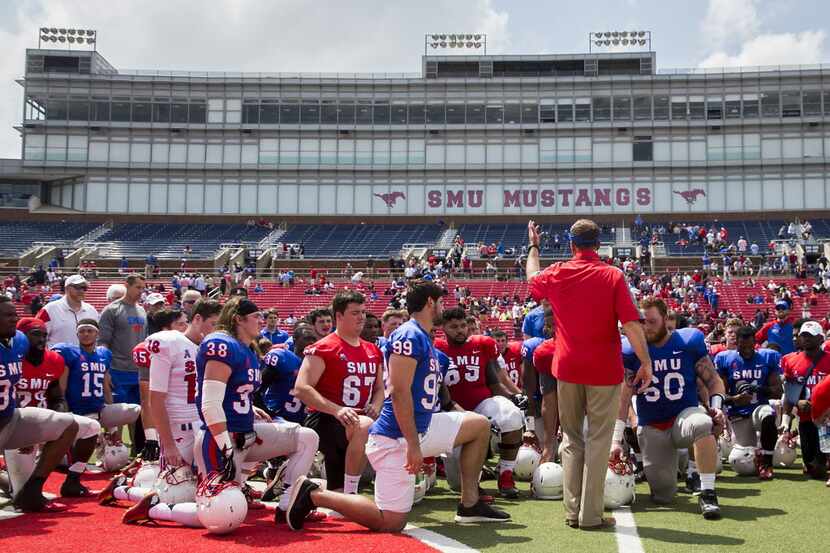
(176, 485)
(619, 484)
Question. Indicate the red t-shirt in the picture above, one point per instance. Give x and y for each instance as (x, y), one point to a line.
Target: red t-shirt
(513, 359)
(543, 356)
(32, 386)
(141, 355)
(351, 371)
(716, 349)
(588, 297)
(794, 365)
(469, 387)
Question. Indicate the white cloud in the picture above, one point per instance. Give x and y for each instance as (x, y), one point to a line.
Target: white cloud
(773, 49)
(242, 35)
(730, 21)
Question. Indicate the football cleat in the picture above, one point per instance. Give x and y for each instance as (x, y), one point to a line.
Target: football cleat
(140, 512)
(693, 483)
(708, 503)
(72, 487)
(106, 496)
(507, 486)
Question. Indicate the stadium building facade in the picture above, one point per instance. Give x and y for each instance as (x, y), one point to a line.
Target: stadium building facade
(467, 136)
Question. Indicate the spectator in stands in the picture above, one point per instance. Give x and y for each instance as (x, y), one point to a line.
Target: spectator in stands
(779, 331)
(124, 266)
(272, 330)
(322, 321)
(155, 302)
(150, 264)
(291, 320)
(62, 316)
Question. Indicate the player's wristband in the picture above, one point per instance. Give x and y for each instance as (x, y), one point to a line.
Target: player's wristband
(619, 430)
(530, 247)
(716, 402)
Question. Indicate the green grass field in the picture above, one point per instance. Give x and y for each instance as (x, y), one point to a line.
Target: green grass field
(788, 514)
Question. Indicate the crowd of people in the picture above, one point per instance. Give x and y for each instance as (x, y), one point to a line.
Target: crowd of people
(215, 394)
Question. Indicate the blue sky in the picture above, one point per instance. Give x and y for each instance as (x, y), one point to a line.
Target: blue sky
(378, 35)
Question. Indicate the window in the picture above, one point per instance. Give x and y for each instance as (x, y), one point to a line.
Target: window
(120, 109)
(791, 102)
(827, 103)
(696, 107)
(622, 108)
(417, 114)
(345, 152)
(213, 154)
(345, 113)
(475, 114)
(530, 114)
(679, 108)
(178, 152)
(56, 108)
(582, 109)
(178, 113)
(328, 112)
(398, 115)
(310, 113)
(733, 107)
(198, 112)
(495, 154)
(363, 112)
(363, 151)
(752, 146)
(216, 108)
(750, 107)
(142, 111)
(495, 115)
(770, 104)
(289, 151)
(250, 112)
(642, 107)
(398, 151)
(79, 110)
(547, 111)
(475, 154)
(512, 113)
(416, 151)
(714, 108)
(196, 153)
(100, 109)
(812, 103)
(120, 152)
(289, 113)
(35, 147)
(643, 149)
(435, 114)
(161, 111)
(139, 152)
(381, 113)
(661, 108)
(233, 110)
(565, 111)
(602, 108)
(435, 154)
(455, 154)
(310, 152)
(160, 152)
(381, 152)
(455, 114)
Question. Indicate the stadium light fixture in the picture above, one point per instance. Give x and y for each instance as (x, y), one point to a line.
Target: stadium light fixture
(69, 36)
(455, 41)
(618, 39)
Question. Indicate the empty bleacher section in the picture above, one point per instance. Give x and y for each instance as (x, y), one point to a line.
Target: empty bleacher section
(359, 240)
(168, 241)
(17, 236)
(515, 235)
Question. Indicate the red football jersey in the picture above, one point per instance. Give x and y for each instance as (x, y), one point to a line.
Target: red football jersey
(795, 365)
(33, 383)
(469, 387)
(543, 356)
(351, 372)
(513, 359)
(141, 355)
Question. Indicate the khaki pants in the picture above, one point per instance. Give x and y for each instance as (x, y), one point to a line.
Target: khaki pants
(585, 457)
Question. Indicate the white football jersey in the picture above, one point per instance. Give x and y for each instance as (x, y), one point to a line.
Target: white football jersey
(173, 371)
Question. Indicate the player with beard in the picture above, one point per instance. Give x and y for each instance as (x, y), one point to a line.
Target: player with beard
(25, 427)
(669, 415)
(407, 430)
(476, 386)
(340, 382)
(751, 378)
(511, 354)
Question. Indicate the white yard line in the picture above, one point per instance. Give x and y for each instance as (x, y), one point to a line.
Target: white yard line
(439, 542)
(628, 540)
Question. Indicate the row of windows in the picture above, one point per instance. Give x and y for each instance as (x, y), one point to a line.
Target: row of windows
(351, 112)
(270, 152)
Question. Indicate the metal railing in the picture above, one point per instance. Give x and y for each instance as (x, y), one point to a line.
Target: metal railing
(746, 69)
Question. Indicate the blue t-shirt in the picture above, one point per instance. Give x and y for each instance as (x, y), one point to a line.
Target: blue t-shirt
(736, 371)
(674, 382)
(410, 340)
(85, 382)
(781, 333)
(11, 368)
(244, 378)
(277, 397)
(534, 323)
(276, 337)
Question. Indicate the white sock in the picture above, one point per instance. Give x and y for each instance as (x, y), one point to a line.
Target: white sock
(350, 483)
(692, 468)
(78, 467)
(185, 513)
(151, 434)
(122, 493)
(505, 465)
(707, 481)
(135, 494)
(161, 511)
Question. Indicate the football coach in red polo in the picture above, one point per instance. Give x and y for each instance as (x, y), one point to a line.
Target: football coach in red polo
(588, 298)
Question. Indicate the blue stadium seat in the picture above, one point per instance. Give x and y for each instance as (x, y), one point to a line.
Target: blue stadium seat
(361, 240)
(17, 236)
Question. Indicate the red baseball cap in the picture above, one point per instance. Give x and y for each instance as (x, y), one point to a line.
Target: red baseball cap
(26, 324)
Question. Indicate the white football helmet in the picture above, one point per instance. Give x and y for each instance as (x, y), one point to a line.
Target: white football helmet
(176, 485)
(784, 454)
(725, 444)
(619, 484)
(421, 486)
(116, 457)
(742, 460)
(146, 475)
(220, 506)
(527, 459)
(548, 481)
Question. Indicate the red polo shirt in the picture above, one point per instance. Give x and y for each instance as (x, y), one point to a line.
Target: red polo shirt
(588, 297)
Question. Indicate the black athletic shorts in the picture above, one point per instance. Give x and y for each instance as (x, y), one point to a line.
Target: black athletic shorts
(333, 444)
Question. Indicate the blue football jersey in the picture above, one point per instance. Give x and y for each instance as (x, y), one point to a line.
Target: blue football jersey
(11, 368)
(736, 371)
(674, 381)
(534, 323)
(243, 380)
(445, 364)
(85, 381)
(277, 397)
(529, 346)
(276, 337)
(410, 340)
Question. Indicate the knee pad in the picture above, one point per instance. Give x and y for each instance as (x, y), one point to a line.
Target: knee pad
(511, 419)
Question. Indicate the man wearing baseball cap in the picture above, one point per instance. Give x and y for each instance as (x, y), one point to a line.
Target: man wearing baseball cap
(62, 316)
(803, 371)
(779, 331)
(821, 407)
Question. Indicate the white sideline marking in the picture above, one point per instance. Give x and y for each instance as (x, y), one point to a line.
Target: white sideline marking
(628, 540)
(439, 542)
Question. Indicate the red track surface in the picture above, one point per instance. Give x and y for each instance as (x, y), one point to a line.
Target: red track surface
(88, 527)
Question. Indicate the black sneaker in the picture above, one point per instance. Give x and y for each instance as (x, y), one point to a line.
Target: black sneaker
(72, 487)
(480, 512)
(300, 503)
(708, 502)
(693, 484)
(30, 499)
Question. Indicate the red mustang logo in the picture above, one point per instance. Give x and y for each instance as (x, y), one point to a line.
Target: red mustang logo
(691, 195)
(390, 198)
